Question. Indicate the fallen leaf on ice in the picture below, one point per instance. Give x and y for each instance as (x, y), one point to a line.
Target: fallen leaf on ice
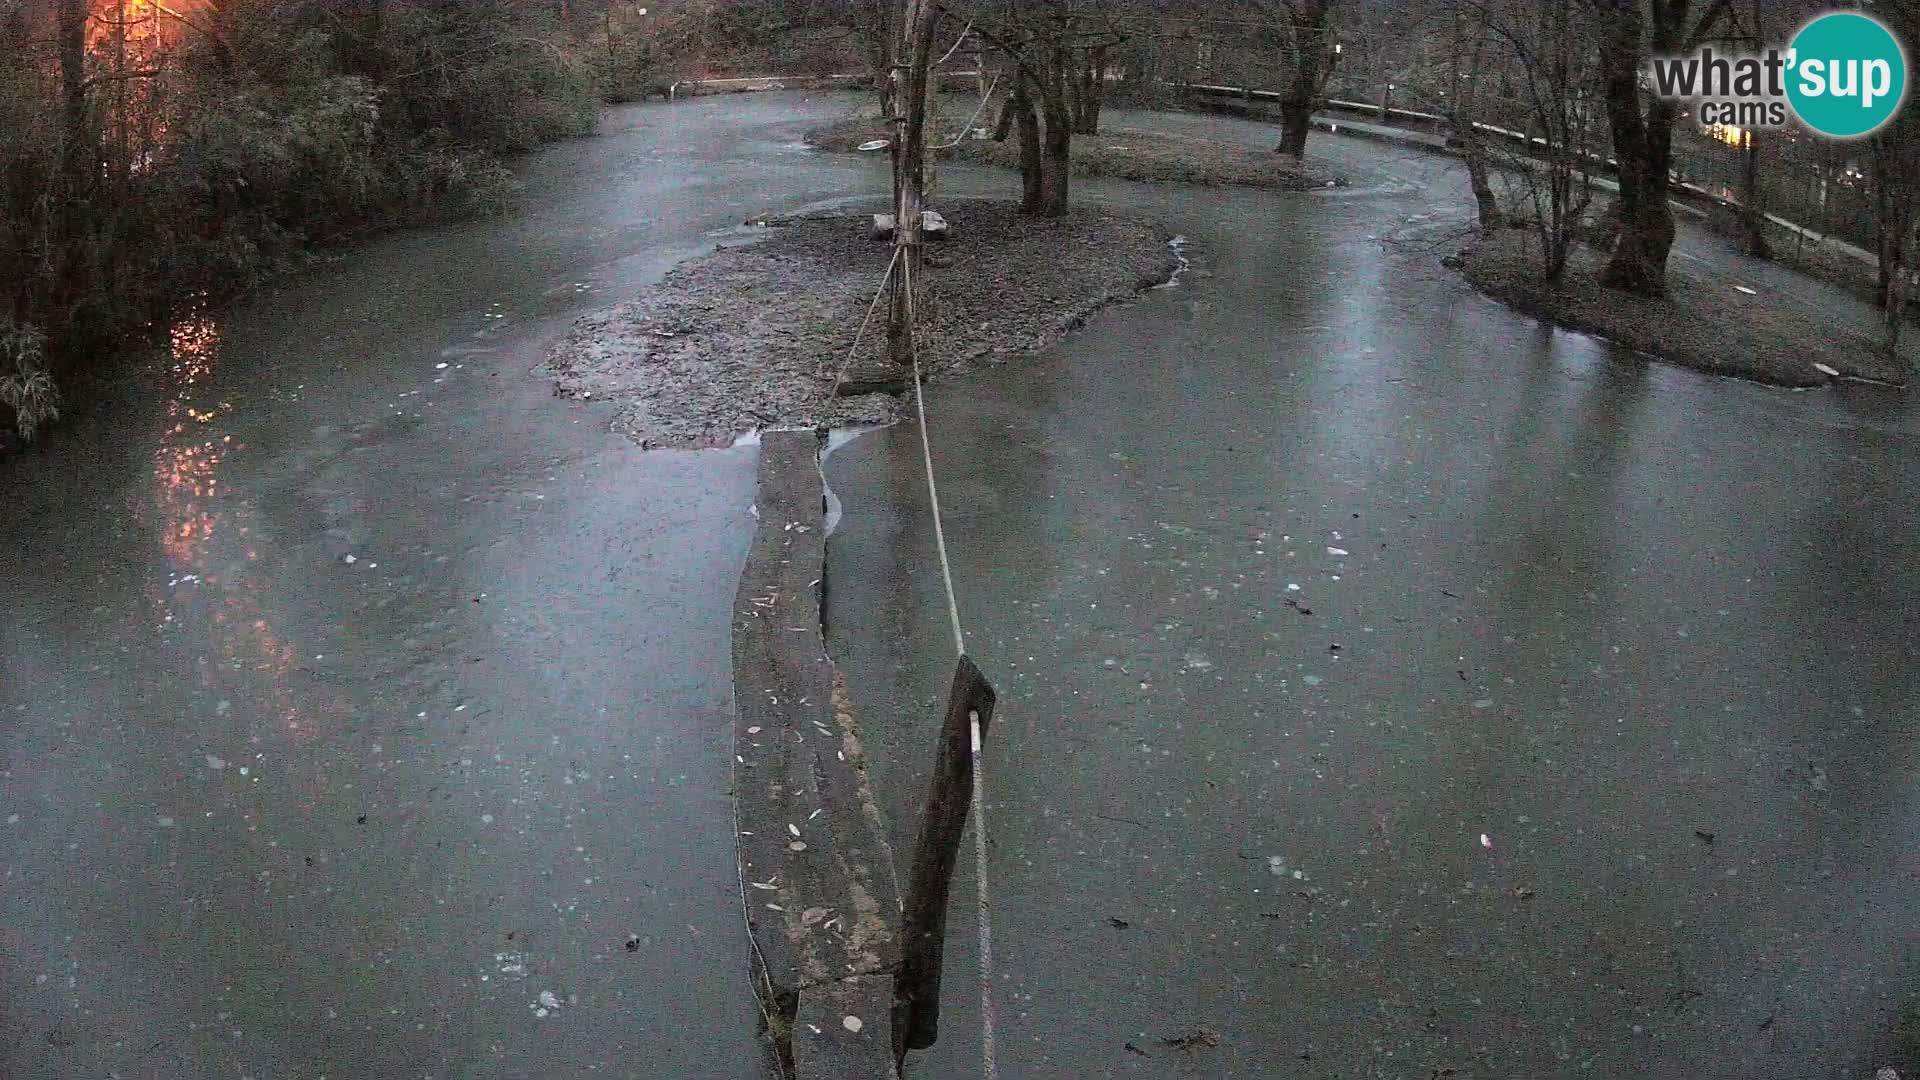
(1201, 1037)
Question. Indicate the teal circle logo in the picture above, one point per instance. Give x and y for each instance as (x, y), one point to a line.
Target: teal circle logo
(1847, 75)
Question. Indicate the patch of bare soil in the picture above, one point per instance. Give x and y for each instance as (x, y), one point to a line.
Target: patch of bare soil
(1699, 324)
(754, 336)
(1121, 153)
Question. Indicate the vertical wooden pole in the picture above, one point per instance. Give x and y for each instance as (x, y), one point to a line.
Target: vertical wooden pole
(907, 84)
(122, 114)
(980, 75)
(923, 933)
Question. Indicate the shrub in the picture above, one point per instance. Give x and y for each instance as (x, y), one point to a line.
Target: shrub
(230, 150)
(26, 385)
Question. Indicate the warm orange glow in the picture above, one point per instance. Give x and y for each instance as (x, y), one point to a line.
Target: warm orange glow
(150, 26)
(131, 42)
(196, 527)
(1726, 133)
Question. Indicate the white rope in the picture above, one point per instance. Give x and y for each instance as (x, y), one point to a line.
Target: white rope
(989, 1049)
(875, 306)
(933, 489)
(984, 98)
(968, 29)
(989, 1052)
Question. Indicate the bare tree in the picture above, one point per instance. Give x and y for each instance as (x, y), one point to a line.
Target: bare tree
(1752, 31)
(1896, 165)
(1469, 47)
(1021, 112)
(1089, 91)
(1547, 47)
(1642, 125)
(1051, 44)
(80, 148)
(1304, 32)
(1895, 171)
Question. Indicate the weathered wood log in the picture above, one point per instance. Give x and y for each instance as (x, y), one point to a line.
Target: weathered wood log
(916, 1003)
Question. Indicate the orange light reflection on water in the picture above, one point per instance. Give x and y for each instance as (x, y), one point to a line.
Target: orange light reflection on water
(206, 539)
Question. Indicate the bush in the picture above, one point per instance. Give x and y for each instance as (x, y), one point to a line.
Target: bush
(627, 70)
(223, 156)
(26, 386)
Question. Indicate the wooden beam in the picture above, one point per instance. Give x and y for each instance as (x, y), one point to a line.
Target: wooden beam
(916, 1008)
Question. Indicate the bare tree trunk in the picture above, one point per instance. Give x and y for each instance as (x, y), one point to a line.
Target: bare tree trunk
(1020, 104)
(909, 108)
(1004, 126)
(1464, 50)
(1643, 146)
(25, 174)
(880, 19)
(1307, 31)
(72, 37)
(1897, 284)
(1055, 178)
(1753, 205)
(1092, 92)
(122, 114)
(1473, 150)
(1888, 197)
(1643, 142)
(1753, 210)
(1296, 120)
(80, 151)
(919, 87)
